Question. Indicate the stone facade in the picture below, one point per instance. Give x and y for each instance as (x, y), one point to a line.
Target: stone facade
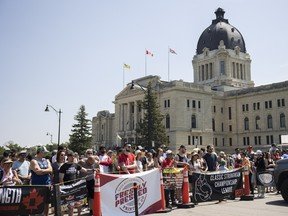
(222, 106)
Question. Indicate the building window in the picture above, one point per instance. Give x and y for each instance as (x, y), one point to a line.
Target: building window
(247, 107)
(255, 140)
(189, 140)
(215, 142)
(230, 128)
(266, 104)
(259, 140)
(167, 121)
(199, 104)
(214, 109)
(271, 139)
(269, 121)
(258, 105)
(267, 140)
(279, 103)
(188, 103)
(243, 107)
(222, 110)
(283, 102)
(246, 124)
(222, 67)
(222, 127)
(213, 124)
(223, 141)
(166, 103)
(257, 120)
(270, 104)
(244, 141)
(200, 140)
(282, 120)
(254, 106)
(193, 121)
(193, 104)
(230, 141)
(230, 113)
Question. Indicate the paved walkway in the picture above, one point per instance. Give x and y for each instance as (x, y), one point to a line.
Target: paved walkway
(271, 205)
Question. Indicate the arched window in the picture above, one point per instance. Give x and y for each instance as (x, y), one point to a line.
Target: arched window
(246, 124)
(282, 120)
(269, 121)
(167, 121)
(257, 122)
(193, 121)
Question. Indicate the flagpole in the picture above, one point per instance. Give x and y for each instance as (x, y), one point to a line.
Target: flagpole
(168, 63)
(145, 62)
(123, 76)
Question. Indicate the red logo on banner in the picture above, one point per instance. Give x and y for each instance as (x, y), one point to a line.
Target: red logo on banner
(33, 200)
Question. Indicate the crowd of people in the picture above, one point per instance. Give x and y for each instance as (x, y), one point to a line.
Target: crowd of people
(66, 166)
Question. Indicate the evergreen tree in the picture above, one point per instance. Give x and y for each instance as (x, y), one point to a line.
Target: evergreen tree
(81, 137)
(151, 128)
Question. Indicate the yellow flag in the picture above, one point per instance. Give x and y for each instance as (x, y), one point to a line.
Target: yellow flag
(126, 66)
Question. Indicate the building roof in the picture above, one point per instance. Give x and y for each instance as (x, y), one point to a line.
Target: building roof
(220, 29)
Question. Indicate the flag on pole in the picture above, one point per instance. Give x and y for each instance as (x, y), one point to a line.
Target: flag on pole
(149, 53)
(126, 66)
(119, 137)
(172, 51)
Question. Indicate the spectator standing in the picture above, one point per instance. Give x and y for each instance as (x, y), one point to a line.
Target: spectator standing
(21, 166)
(105, 160)
(169, 162)
(9, 177)
(210, 158)
(126, 160)
(260, 167)
(41, 170)
(181, 157)
(60, 159)
(67, 175)
(90, 165)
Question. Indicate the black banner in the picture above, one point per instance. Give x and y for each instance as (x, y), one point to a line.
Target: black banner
(216, 185)
(266, 178)
(17, 200)
(73, 192)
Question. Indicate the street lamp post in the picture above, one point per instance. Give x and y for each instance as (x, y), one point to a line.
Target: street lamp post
(59, 116)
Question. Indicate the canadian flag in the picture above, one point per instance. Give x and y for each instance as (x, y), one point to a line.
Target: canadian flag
(149, 53)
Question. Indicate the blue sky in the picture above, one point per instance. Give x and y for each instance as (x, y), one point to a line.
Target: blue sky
(69, 53)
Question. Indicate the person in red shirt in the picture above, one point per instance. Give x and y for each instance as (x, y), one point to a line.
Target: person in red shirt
(126, 160)
(169, 162)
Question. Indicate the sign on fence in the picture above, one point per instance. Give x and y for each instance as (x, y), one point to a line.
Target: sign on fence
(216, 185)
(23, 200)
(73, 192)
(117, 194)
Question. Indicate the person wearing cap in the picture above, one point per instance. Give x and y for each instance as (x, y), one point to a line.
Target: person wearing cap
(260, 167)
(40, 168)
(181, 158)
(138, 155)
(126, 160)
(195, 165)
(21, 166)
(170, 195)
(9, 177)
(67, 175)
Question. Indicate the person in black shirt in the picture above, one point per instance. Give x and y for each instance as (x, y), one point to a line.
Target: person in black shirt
(68, 173)
(210, 158)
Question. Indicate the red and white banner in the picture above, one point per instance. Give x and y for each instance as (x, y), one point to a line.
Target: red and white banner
(117, 193)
